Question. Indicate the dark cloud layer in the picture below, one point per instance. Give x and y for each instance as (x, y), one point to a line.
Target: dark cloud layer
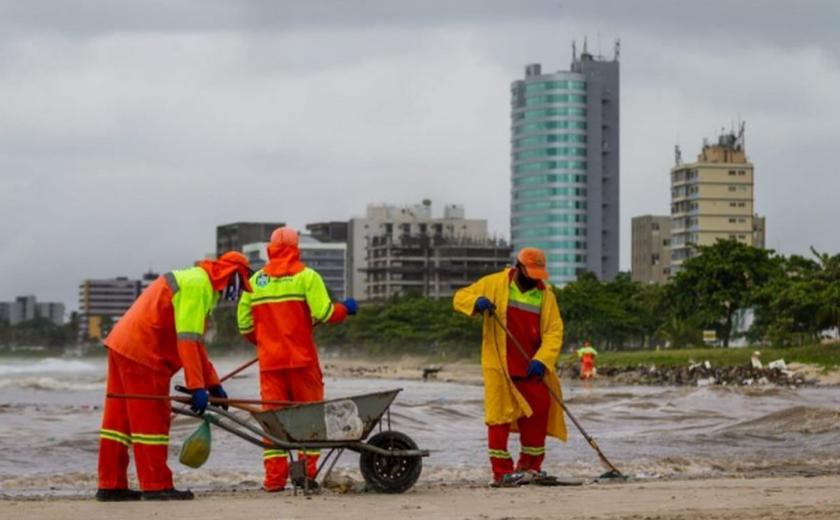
(129, 130)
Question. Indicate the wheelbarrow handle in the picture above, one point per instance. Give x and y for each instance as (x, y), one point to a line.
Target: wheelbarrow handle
(242, 404)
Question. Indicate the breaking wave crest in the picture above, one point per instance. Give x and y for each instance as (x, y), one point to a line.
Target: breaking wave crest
(799, 419)
(51, 384)
(48, 365)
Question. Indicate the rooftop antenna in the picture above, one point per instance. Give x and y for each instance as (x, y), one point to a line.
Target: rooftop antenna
(574, 50)
(617, 49)
(585, 45)
(599, 44)
(677, 155)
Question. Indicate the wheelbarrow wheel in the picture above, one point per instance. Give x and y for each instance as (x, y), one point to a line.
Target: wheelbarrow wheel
(390, 474)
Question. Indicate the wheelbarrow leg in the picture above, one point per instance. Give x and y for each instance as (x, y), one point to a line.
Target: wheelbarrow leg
(332, 465)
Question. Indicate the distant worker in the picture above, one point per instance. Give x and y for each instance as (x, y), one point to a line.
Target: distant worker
(278, 318)
(515, 396)
(161, 332)
(587, 361)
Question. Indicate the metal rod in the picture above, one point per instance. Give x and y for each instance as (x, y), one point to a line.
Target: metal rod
(559, 400)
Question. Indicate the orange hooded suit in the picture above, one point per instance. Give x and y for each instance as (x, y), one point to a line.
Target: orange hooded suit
(161, 332)
(278, 318)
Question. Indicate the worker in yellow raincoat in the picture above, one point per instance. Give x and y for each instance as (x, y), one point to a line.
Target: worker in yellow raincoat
(515, 397)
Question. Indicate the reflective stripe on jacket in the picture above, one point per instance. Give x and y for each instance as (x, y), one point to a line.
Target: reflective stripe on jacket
(164, 328)
(503, 403)
(280, 313)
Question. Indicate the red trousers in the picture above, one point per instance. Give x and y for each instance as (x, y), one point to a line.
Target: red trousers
(532, 432)
(141, 424)
(301, 385)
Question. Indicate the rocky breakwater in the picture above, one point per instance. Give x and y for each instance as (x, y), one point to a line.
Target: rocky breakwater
(697, 374)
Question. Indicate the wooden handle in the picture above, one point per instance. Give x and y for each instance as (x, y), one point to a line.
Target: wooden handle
(243, 404)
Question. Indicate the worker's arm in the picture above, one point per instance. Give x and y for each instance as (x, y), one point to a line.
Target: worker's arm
(318, 300)
(465, 298)
(551, 331)
(245, 316)
(191, 304)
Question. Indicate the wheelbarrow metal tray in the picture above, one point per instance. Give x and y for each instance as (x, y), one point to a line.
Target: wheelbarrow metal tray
(345, 419)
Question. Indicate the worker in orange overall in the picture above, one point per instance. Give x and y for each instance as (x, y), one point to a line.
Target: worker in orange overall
(161, 332)
(587, 361)
(516, 397)
(278, 317)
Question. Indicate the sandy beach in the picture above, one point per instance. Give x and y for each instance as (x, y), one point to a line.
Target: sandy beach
(776, 498)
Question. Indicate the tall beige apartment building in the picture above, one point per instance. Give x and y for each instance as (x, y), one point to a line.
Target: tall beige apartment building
(713, 198)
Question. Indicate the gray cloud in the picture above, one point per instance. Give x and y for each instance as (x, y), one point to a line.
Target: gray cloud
(128, 133)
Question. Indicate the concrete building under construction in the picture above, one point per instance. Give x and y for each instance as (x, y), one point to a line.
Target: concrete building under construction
(404, 249)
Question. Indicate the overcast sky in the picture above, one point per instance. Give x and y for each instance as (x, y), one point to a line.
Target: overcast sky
(130, 129)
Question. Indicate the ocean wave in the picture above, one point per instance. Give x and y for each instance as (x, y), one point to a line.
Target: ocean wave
(51, 384)
(798, 419)
(48, 365)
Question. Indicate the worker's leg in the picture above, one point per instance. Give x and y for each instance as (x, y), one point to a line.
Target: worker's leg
(274, 386)
(588, 370)
(115, 435)
(308, 387)
(497, 441)
(532, 430)
(149, 421)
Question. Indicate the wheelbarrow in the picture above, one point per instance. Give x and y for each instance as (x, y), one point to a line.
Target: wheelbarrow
(390, 461)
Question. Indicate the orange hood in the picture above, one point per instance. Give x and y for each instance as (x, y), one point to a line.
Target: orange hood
(283, 260)
(220, 270)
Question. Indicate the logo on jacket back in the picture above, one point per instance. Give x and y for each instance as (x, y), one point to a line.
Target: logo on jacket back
(262, 280)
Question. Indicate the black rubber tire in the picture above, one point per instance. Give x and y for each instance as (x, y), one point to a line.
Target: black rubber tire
(390, 475)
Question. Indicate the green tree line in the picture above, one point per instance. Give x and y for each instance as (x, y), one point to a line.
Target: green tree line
(793, 299)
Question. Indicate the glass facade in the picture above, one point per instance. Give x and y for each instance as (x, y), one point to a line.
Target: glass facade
(549, 125)
(555, 85)
(554, 98)
(552, 112)
(545, 139)
(549, 196)
(550, 178)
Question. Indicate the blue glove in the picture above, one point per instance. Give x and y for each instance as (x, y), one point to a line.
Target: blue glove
(536, 369)
(199, 400)
(218, 391)
(482, 305)
(351, 305)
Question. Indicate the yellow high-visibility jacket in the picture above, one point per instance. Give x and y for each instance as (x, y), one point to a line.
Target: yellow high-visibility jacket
(503, 403)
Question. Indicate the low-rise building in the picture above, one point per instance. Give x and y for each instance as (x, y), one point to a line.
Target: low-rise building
(651, 249)
(232, 237)
(26, 308)
(102, 302)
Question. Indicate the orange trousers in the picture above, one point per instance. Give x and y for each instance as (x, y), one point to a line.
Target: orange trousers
(532, 432)
(587, 369)
(140, 424)
(301, 385)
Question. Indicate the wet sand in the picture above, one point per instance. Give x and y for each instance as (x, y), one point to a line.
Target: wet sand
(767, 499)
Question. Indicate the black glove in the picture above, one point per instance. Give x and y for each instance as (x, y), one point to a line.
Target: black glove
(218, 391)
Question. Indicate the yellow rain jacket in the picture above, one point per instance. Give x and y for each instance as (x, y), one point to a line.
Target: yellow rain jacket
(502, 401)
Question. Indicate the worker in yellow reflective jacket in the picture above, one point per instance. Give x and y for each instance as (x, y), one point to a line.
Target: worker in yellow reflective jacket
(515, 397)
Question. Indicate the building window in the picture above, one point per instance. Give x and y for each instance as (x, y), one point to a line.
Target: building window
(732, 221)
(732, 188)
(731, 172)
